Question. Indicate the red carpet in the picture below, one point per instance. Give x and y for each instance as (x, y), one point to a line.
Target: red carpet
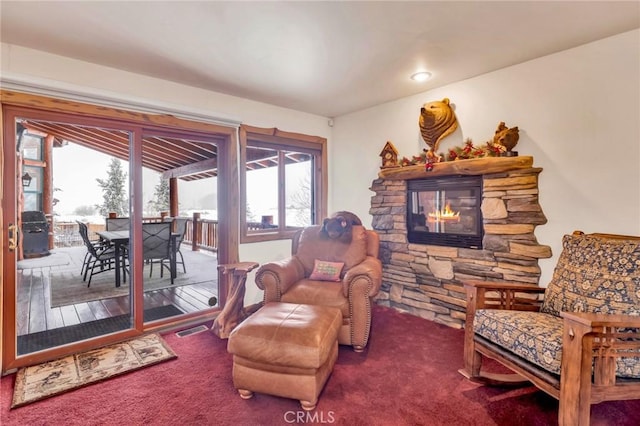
(407, 376)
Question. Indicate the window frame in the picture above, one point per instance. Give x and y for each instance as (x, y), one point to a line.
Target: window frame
(279, 140)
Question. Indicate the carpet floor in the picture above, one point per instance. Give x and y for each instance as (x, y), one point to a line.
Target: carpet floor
(408, 375)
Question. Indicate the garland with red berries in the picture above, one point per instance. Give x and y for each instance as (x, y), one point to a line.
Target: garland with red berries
(466, 152)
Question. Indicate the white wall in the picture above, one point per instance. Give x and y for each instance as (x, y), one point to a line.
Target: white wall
(90, 78)
(578, 112)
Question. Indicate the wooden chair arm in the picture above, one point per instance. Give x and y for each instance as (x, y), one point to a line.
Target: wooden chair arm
(591, 346)
(503, 285)
(594, 320)
(502, 295)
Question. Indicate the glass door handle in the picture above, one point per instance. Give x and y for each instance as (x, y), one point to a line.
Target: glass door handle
(13, 237)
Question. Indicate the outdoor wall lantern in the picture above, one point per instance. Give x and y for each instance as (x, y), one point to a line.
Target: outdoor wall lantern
(26, 179)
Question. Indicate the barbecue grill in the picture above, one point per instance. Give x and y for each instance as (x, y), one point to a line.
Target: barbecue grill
(35, 234)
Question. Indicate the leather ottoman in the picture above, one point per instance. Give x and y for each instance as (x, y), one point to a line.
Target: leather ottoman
(287, 350)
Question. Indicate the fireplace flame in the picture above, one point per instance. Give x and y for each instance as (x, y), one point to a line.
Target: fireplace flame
(444, 215)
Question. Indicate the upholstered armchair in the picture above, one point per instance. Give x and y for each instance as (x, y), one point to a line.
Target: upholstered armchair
(580, 343)
(324, 271)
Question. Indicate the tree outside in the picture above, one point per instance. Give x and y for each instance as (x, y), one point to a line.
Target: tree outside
(113, 190)
(299, 197)
(85, 210)
(251, 216)
(160, 200)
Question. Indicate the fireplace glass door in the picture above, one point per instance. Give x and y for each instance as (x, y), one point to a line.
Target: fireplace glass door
(445, 211)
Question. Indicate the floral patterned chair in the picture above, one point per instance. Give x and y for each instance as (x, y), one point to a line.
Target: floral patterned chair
(580, 343)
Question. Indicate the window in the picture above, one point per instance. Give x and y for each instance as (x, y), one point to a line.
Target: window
(283, 182)
(31, 146)
(33, 192)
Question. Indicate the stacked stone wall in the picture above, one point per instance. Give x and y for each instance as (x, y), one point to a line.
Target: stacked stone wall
(427, 280)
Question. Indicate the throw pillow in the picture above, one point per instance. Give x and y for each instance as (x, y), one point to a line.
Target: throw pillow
(326, 271)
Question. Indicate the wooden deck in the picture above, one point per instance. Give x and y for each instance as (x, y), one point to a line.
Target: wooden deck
(35, 314)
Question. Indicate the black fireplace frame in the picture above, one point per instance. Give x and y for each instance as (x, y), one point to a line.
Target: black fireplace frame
(457, 182)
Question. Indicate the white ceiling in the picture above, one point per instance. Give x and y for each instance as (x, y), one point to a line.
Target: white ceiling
(325, 58)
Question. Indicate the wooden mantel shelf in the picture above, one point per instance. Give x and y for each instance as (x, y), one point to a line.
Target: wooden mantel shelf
(475, 166)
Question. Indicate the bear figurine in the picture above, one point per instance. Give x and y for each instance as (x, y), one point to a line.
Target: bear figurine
(338, 226)
(507, 137)
(436, 121)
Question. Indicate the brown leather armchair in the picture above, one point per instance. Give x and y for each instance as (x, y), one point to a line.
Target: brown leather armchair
(288, 280)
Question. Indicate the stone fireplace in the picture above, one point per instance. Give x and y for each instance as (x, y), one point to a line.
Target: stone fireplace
(427, 279)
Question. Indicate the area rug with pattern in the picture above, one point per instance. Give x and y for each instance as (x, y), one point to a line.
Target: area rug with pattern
(62, 375)
(69, 291)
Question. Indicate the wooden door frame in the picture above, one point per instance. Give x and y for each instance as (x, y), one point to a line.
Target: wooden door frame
(228, 203)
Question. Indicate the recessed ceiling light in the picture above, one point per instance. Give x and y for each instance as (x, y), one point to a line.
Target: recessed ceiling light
(421, 76)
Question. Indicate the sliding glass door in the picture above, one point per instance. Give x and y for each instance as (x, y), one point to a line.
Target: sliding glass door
(113, 228)
(179, 224)
(62, 270)
(70, 177)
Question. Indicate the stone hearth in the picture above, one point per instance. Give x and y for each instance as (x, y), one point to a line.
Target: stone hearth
(427, 280)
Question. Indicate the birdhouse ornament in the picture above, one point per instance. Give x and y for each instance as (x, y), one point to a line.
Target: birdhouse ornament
(389, 156)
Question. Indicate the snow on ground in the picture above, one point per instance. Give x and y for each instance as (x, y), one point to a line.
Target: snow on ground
(99, 219)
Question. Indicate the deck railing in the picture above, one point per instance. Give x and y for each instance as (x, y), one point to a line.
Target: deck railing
(205, 232)
(66, 234)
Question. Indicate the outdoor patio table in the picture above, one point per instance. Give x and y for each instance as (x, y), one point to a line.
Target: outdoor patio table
(120, 239)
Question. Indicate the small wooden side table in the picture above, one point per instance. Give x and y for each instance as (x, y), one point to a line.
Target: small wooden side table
(233, 312)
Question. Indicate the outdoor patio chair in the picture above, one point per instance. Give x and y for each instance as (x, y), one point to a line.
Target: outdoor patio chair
(180, 227)
(84, 234)
(117, 224)
(156, 245)
(98, 255)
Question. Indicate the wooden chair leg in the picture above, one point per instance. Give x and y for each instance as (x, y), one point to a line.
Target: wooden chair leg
(308, 405)
(473, 366)
(91, 274)
(245, 393)
(575, 375)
